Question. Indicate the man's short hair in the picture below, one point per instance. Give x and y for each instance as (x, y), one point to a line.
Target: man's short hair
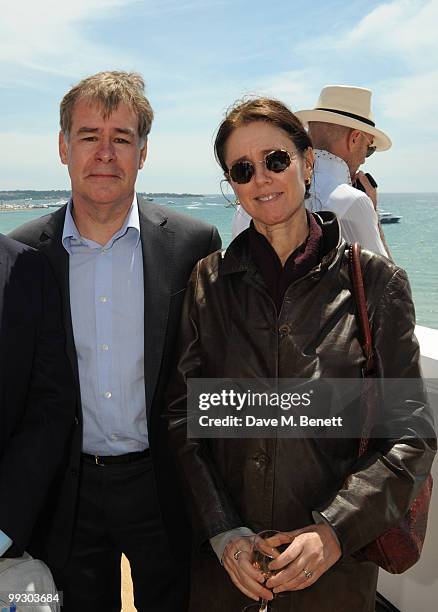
(325, 134)
(107, 90)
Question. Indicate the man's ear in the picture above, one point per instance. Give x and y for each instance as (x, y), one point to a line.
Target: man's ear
(353, 138)
(143, 154)
(63, 148)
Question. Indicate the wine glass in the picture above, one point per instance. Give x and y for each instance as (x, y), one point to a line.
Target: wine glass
(267, 546)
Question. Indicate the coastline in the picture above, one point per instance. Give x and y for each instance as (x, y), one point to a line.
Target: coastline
(26, 208)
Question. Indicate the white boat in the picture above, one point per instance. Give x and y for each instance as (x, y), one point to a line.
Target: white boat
(388, 217)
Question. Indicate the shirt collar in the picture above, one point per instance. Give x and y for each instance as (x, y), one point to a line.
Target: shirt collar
(333, 165)
(70, 230)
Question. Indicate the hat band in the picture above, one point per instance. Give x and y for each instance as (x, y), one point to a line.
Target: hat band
(352, 115)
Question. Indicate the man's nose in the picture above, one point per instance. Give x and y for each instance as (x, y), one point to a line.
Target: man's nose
(105, 151)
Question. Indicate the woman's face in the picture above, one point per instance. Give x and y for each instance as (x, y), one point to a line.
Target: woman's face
(269, 198)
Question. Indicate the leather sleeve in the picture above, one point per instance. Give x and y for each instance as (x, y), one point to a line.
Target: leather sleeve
(210, 509)
(386, 480)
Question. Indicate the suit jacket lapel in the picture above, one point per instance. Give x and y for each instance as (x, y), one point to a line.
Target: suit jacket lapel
(157, 245)
(51, 244)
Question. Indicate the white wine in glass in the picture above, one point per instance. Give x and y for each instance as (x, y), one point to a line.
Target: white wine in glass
(267, 546)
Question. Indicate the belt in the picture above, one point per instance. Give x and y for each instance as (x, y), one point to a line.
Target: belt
(116, 459)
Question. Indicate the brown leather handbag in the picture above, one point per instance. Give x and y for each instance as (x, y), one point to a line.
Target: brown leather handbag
(400, 547)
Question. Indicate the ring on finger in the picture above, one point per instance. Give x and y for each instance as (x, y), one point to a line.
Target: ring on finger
(237, 553)
(308, 574)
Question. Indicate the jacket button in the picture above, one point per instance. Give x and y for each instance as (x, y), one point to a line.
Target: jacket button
(76, 421)
(261, 460)
(284, 330)
(74, 472)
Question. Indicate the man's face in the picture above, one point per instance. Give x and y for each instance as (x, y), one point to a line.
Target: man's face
(362, 141)
(103, 155)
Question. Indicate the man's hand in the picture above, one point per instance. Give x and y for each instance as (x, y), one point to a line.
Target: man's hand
(369, 189)
(313, 551)
(237, 561)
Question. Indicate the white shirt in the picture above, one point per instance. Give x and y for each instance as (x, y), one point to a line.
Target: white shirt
(331, 189)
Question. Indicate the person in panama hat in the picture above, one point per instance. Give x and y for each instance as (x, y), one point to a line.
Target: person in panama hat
(344, 134)
(348, 107)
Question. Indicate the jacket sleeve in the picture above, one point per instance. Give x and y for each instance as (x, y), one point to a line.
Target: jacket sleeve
(385, 481)
(209, 505)
(36, 448)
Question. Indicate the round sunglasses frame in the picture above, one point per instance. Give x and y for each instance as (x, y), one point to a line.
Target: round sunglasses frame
(242, 171)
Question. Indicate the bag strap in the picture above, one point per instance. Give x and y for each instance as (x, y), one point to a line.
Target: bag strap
(356, 277)
(369, 397)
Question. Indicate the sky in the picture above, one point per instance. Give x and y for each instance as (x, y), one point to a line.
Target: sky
(197, 57)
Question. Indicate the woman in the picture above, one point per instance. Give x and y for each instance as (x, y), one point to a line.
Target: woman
(278, 304)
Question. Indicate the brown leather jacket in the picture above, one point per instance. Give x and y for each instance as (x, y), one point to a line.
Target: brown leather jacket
(230, 328)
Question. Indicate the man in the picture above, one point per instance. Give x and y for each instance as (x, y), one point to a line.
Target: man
(344, 135)
(36, 394)
(122, 264)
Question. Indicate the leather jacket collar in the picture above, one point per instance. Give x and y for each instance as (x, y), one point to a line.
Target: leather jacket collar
(237, 257)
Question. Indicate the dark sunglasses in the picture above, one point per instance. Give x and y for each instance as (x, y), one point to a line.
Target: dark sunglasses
(371, 148)
(276, 161)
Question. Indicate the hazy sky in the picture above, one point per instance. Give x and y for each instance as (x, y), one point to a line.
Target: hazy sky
(197, 57)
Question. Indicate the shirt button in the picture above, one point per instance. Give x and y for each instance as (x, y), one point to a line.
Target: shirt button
(105, 347)
(107, 395)
(103, 298)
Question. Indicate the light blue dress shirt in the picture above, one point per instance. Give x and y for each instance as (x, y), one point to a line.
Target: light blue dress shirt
(107, 310)
(5, 542)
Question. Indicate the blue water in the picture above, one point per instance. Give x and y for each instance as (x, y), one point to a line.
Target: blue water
(413, 241)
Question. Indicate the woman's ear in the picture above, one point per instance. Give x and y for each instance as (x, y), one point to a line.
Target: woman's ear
(309, 157)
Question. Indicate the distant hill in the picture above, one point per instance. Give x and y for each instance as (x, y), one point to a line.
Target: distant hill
(61, 194)
(37, 195)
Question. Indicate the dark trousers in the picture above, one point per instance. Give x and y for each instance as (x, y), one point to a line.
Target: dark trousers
(118, 513)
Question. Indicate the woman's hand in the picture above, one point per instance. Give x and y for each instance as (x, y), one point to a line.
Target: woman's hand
(312, 552)
(237, 561)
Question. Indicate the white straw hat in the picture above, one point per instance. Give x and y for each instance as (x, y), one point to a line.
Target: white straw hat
(349, 106)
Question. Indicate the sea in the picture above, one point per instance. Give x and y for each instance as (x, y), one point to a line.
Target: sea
(413, 241)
